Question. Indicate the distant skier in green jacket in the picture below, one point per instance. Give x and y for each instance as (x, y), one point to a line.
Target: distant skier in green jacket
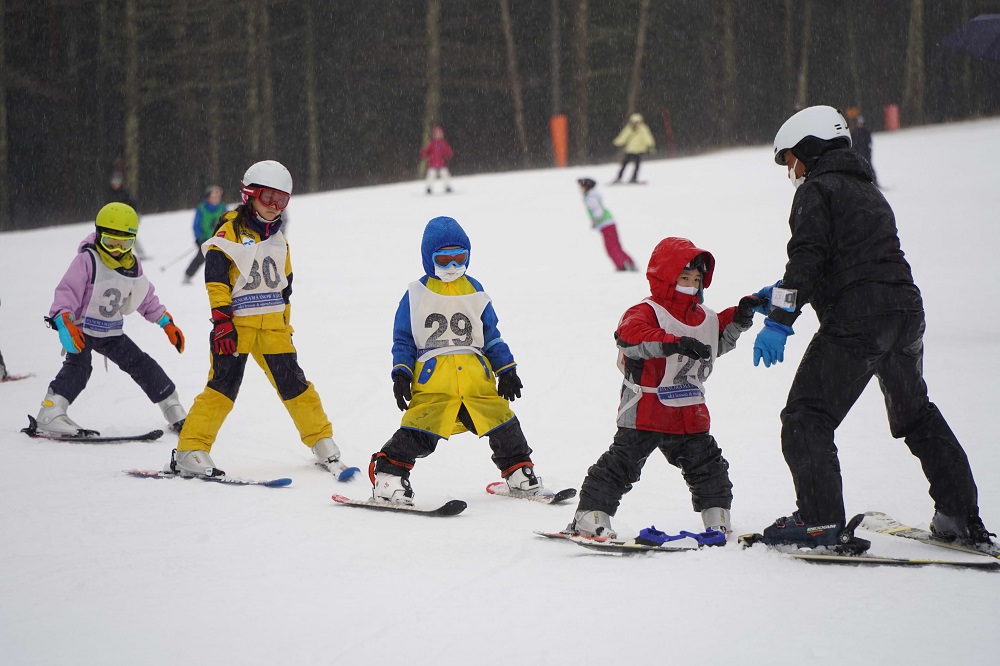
(602, 220)
(206, 219)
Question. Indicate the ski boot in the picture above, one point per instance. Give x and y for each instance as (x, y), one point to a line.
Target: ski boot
(327, 453)
(523, 481)
(793, 531)
(192, 463)
(173, 411)
(592, 524)
(968, 530)
(393, 488)
(718, 519)
(52, 418)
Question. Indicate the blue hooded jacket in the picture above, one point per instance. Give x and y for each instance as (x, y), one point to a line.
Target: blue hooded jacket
(443, 232)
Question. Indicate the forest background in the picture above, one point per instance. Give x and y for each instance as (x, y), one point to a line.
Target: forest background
(180, 94)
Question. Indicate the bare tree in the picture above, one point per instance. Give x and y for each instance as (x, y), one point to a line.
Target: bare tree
(729, 73)
(132, 92)
(802, 89)
(264, 70)
(5, 211)
(555, 53)
(514, 79)
(432, 94)
(913, 91)
(312, 102)
(789, 59)
(580, 128)
(635, 79)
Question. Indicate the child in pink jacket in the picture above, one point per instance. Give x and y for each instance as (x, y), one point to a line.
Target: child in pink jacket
(437, 153)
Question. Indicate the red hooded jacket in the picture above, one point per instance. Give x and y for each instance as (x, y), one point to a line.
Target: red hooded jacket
(644, 364)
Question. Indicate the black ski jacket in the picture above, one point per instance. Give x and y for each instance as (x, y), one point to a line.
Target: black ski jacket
(844, 256)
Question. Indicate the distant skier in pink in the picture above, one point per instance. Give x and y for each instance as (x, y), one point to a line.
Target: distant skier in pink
(602, 220)
(437, 153)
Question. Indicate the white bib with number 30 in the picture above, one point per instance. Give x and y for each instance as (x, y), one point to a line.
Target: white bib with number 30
(446, 324)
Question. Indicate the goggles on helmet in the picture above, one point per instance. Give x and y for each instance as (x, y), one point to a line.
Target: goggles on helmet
(115, 242)
(268, 196)
(457, 256)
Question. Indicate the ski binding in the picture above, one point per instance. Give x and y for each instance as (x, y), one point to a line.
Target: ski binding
(882, 523)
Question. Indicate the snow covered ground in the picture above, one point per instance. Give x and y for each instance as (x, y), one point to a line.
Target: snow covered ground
(100, 568)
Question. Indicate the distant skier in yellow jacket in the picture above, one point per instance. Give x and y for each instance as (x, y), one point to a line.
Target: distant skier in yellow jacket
(636, 140)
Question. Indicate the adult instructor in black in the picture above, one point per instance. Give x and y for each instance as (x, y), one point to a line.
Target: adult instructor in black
(844, 259)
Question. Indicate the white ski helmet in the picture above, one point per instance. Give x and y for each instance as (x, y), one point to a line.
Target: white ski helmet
(822, 122)
(268, 174)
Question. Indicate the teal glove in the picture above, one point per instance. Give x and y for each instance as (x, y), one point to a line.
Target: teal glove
(770, 343)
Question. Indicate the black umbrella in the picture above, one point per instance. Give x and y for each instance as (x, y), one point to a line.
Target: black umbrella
(979, 37)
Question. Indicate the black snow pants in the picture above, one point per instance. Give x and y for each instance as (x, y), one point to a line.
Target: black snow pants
(698, 456)
(837, 365)
(630, 157)
(120, 350)
(400, 453)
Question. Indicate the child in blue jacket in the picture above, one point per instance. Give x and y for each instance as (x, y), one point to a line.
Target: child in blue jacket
(452, 372)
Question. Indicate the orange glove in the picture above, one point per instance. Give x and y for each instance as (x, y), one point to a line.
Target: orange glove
(70, 336)
(174, 334)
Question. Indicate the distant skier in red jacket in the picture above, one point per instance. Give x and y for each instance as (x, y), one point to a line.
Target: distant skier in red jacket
(668, 344)
(437, 153)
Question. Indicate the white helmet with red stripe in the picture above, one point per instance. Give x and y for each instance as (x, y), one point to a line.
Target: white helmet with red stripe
(266, 174)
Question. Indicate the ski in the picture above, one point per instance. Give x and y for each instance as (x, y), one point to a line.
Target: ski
(882, 523)
(864, 559)
(229, 480)
(340, 470)
(88, 436)
(630, 547)
(14, 378)
(452, 508)
(500, 489)
(624, 547)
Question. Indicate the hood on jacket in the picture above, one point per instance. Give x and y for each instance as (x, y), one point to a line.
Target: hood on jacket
(669, 258)
(844, 160)
(442, 232)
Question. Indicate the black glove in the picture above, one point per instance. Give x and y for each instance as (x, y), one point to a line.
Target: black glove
(401, 389)
(744, 311)
(690, 347)
(509, 385)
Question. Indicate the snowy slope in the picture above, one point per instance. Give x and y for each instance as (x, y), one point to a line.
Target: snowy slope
(100, 568)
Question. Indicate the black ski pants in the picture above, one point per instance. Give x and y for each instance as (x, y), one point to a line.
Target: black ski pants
(630, 157)
(120, 350)
(510, 448)
(196, 262)
(698, 457)
(837, 365)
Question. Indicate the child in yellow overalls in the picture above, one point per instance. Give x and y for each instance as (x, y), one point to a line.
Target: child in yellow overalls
(248, 274)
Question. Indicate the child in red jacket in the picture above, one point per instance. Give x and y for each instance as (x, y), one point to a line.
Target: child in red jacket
(437, 153)
(668, 344)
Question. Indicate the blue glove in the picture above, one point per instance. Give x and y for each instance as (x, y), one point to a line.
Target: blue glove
(770, 343)
(764, 307)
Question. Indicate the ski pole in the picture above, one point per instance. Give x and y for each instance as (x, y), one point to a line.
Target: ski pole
(183, 256)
